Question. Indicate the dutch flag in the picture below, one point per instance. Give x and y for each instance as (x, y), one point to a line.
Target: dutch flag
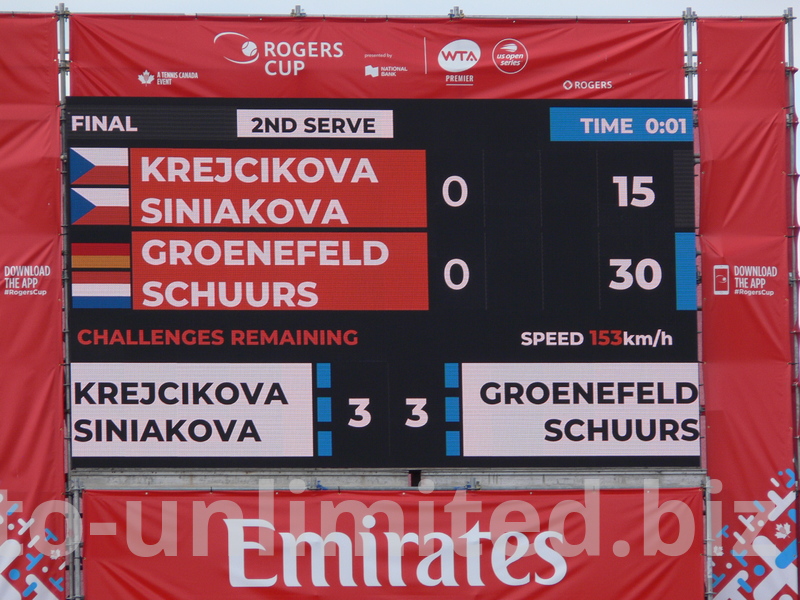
(101, 289)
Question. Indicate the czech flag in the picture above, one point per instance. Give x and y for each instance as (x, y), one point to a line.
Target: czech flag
(98, 166)
(99, 206)
(101, 289)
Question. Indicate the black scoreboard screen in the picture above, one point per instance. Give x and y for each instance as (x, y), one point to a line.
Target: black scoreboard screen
(382, 283)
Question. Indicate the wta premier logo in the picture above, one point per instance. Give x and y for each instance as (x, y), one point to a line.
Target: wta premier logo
(459, 56)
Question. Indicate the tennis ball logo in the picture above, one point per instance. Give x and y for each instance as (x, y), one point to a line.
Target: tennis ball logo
(249, 49)
(236, 48)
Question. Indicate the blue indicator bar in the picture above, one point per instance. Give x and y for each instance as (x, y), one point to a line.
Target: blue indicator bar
(324, 443)
(451, 378)
(452, 412)
(324, 409)
(323, 375)
(452, 443)
(621, 124)
(685, 271)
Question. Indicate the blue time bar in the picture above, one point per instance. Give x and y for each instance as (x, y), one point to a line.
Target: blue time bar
(621, 124)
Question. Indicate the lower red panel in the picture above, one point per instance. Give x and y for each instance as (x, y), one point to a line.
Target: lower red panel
(613, 544)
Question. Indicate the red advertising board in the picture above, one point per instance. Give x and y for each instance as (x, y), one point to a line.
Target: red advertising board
(32, 423)
(132, 55)
(744, 222)
(620, 544)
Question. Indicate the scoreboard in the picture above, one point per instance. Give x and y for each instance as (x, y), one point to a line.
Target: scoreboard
(382, 283)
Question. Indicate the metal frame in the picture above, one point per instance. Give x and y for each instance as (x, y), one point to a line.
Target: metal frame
(690, 70)
(74, 543)
(794, 265)
(381, 479)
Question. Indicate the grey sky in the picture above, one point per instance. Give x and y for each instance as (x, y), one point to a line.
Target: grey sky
(570, 8)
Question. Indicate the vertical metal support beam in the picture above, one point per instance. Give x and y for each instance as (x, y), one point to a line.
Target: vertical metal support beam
(74, 545)
(62, 14)
(689, 66)
(690, 70)
(709, 538)
(791, 123)
(74, 548)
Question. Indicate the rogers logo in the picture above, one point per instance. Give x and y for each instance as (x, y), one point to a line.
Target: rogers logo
(459, 56)
(588, 85)
(510, 56)
(236, 48)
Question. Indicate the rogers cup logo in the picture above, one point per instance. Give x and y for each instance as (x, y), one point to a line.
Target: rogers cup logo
(237, 48)
(281, 57)
(459, 56)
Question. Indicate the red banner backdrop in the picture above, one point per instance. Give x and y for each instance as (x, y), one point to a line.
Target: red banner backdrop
(308, 57)
(32, 424)
(620, 544)
(747, 306)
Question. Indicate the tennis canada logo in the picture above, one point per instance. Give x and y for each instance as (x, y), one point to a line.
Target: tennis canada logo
(165, 77)
(146, 77)
(510, 56)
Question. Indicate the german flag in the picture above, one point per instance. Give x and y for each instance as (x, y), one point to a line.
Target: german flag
(101, 256)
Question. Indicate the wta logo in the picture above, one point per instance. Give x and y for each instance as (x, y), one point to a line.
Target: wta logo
(459, 56)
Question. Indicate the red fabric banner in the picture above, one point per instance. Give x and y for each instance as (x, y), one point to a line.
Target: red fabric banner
(32, 424)
(621, 544)
(283, 57)
(744, 223)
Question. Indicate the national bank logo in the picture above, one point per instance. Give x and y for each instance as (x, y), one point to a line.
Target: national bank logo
(459, 56)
